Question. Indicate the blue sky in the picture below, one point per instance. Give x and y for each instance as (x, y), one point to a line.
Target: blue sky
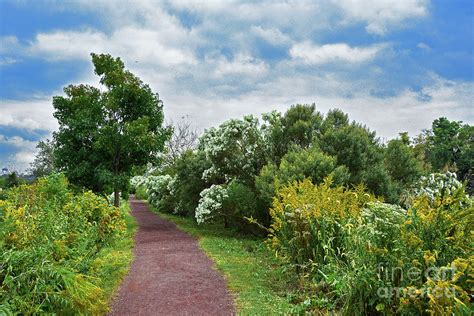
(394, 65)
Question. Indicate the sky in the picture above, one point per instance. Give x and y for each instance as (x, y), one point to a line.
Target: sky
(394, 65)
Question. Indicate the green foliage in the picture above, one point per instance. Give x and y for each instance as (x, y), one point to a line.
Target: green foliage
(235, 150)
(335, 119)
(452, 145)
(295, 166)
(229, 204)
(13, 180)
(158, 190)
(140, 193)
(104, 134)
(44, 163)
(188, 181)
(243, 203)
(401, 163)
(309, 220)
(444, 141)
(358, 149)
(360, 256)
(50, 244)
(299, 126)
(136, 182)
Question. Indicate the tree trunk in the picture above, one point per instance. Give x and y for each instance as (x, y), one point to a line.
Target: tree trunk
(116, 197)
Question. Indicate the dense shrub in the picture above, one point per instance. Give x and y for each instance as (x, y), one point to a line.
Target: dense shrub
(50, 241)
(212, 205)
(358, 149)
(158, 190)
(136, 182)
(140, 193)
(235, 150)
(188, 181)
(230, 204)
(297, 165)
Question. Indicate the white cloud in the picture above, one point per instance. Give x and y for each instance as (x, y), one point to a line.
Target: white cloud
(138, 44)
(423, 46)
(241, 65)
(5, 61)
(30, 114)
(17, 141)
(340, 52)
(25, 155)
(24, 158)
(272, 35)
(60, 45)
(405, 111)
(381, 15)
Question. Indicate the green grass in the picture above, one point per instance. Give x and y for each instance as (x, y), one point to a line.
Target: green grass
(113, 262)
(253, 275)
(141, 193)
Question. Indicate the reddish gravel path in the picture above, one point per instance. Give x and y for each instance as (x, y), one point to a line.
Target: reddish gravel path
(170, 274)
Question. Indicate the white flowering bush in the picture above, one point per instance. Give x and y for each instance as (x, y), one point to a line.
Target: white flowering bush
(212, 204)
(235, 150)
(437, 184)
(136, 182)
(159, 193)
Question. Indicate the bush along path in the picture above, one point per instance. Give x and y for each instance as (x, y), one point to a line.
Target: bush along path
(170, 274)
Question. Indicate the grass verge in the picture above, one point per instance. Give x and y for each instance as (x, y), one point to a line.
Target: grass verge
(113, 262)
(253, 275)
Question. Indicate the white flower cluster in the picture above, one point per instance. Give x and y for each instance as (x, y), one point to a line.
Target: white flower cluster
(137, 181)
(157, 188)
(437, 185)
(211, 203)
(233, 148)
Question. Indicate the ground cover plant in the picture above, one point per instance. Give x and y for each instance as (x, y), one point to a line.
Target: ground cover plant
(61, 252)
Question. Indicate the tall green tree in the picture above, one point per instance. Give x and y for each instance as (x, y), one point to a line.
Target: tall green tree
(44, 164)
(104, 133)
(444, 142)
(402, 164)
(451, 146)
(297, 127)
(296, 165)
(357, 148)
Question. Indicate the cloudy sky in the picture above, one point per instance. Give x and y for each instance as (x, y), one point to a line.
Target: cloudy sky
(394, 65)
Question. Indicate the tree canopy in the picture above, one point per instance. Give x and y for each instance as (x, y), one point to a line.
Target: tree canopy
(103, 134)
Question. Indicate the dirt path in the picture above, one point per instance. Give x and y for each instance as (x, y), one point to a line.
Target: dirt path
(170, 274)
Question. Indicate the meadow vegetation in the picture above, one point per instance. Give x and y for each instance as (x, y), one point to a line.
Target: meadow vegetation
(61, 252)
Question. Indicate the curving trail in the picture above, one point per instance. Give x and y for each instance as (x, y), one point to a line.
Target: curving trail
(170, 274)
